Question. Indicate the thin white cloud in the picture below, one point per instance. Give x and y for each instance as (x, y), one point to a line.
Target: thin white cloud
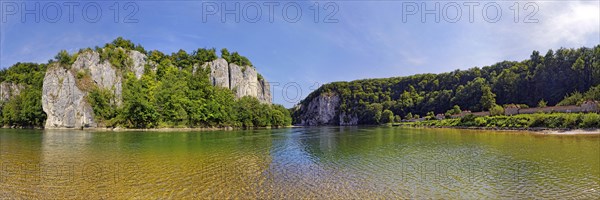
(568, 23)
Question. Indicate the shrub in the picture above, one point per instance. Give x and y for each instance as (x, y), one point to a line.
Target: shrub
(64, 58)
(387, 116)
(537, 120)
(496, 110)
(553, 121)
(468, 120)
(542, 104)
(102, 102)
(480, 121)
(590, 120)
(569, 120)
(81, 74)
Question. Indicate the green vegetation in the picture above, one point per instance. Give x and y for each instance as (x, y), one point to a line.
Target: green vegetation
(64, 58)
(100, 99)
(25, 109)
(496, 110)
(173, 95)
(545, 79)
(177, 95)
(455, 110)
(552, 120)
(235, 57)
(576, 98)
(542, 104)
(387, 117)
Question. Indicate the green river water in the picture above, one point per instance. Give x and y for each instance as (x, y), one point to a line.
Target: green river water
(320, 162)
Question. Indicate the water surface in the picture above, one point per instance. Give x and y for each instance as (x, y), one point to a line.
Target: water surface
(325, 162)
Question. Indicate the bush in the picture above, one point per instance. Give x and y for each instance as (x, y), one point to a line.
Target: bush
(537, 120)
(103, 103)
(387, 116)
(81, 74)
(408, 116)
(496, 110)
(468, 120)
(542, 104)
(590, 120)
(569, 121)
(480, 121)
(64, 58)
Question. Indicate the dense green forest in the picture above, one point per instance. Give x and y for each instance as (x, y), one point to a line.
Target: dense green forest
(173, 95)
(563, 76)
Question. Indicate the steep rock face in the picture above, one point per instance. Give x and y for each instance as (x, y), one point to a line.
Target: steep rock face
(242, 80)
(139, 61)
(102, 73)
(63, 102)
(348, 120)
(219, 72)
(8, 90)
(264, 91)
(322, 110)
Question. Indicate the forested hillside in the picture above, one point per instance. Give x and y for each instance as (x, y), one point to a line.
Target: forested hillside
(545, 78)
(24, 108)
(170, 91)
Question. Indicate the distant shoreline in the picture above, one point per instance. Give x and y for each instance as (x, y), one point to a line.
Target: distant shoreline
(536, 130)
(150, 129)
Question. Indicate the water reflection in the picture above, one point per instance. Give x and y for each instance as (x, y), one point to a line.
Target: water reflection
(320, 162)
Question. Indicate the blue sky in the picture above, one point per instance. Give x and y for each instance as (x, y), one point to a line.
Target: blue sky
(361, 39)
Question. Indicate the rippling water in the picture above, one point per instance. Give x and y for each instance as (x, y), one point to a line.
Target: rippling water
(326, 162)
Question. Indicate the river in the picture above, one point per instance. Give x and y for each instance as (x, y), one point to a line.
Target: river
(319, 162)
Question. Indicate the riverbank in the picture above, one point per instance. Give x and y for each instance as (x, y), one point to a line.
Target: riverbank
(536, 130)
(548, 123)
(184, 129)
(573, 132)
(538, 120)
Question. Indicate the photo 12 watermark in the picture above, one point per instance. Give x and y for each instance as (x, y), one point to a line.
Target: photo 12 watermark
(68, 11)
(269, 11)
(68, 174)
(469, 11)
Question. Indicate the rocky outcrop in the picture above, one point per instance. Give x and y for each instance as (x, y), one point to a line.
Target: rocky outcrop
(348, 120)
(264, 91)
(139, 62)
(321, 110)
(102, 73)
(63, 102)
(219, 72)
(8, 90)
(242, 80)
(65, 88)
